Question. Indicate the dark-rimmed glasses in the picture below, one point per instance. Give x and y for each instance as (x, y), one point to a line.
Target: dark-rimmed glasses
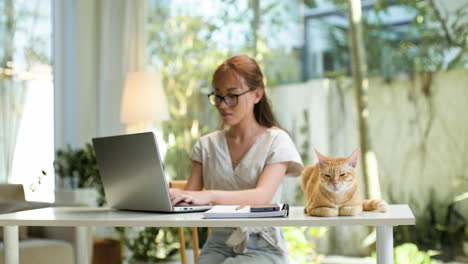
(230, 100)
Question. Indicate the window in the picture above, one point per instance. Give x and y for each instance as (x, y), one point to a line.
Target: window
(206, 33)
(31, 62)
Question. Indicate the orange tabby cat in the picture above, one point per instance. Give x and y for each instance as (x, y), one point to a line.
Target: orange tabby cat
(331, 188)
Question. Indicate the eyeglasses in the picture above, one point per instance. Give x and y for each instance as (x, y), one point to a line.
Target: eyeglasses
(230, 100)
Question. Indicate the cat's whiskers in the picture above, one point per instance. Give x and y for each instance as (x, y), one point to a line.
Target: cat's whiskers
(338, 188)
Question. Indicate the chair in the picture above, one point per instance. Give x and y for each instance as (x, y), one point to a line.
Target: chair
(196, 250)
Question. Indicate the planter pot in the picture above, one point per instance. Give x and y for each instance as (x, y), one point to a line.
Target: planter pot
(81, 196)
(66, 183)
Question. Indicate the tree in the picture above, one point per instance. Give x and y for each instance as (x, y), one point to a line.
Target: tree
(361, 86)
(183, 51)
(428, 40)
(255, 24)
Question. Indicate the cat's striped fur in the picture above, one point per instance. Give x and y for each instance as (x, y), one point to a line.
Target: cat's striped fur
(331, 188)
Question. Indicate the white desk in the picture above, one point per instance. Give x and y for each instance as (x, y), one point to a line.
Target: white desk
(83, 217)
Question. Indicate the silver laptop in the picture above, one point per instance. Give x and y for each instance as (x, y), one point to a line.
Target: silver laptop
(132, 174)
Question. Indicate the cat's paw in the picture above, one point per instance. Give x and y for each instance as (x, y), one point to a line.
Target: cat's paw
(382, 206)
(349, 210)
(323, 211)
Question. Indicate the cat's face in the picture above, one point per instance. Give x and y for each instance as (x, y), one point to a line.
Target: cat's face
(338, 174)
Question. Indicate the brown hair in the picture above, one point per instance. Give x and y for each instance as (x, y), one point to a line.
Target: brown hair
(247, 68)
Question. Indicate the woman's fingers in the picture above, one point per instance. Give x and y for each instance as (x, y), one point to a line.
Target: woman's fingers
(178, 196)
(174, 193)
(189, 199)
(171, 193)
(182, 198)
(177, 199)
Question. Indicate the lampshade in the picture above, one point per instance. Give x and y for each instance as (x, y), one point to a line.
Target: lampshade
(143, 98)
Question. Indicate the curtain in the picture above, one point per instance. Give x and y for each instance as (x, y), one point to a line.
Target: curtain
(12, 97)
(12, 94)
(96, 43)
(122, 49)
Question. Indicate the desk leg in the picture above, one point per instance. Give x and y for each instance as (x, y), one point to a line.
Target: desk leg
(81, 245)
(384, 245)
(10, 234)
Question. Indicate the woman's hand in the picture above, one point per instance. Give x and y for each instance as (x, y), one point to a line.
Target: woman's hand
(176, 195)
(198, 198)
(190, 197)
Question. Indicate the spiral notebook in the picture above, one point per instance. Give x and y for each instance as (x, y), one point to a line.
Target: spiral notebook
(234, 211)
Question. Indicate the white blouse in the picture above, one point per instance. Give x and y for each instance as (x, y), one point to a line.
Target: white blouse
(273, 146)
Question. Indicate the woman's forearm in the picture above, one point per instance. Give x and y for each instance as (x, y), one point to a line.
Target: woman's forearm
(250, 196)
(263, 193)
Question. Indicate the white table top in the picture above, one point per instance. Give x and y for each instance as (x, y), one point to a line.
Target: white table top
(89, 216)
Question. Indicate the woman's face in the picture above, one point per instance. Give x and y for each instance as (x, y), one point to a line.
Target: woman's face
(231, 87)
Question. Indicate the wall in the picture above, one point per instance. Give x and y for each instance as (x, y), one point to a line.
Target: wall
(418, 129)
(420, 135)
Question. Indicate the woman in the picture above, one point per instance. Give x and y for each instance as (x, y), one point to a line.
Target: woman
(243, 164)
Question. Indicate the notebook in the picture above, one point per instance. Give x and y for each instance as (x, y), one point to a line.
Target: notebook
(236, 211)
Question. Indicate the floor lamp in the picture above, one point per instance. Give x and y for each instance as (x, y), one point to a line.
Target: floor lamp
(143, 101)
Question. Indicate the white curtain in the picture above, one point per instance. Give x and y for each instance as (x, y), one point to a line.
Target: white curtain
(122, 49)
(12, 97)
(96, 43)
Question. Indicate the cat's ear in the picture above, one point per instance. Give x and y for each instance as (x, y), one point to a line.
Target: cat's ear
(322, 158)
(353, 158)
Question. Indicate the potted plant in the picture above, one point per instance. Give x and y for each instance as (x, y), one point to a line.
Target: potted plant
(150, 244)
(77, 176)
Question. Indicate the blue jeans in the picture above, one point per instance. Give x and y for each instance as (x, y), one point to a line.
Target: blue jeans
(259, 251)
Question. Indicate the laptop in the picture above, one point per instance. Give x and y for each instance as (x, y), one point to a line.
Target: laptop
(133, 176)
